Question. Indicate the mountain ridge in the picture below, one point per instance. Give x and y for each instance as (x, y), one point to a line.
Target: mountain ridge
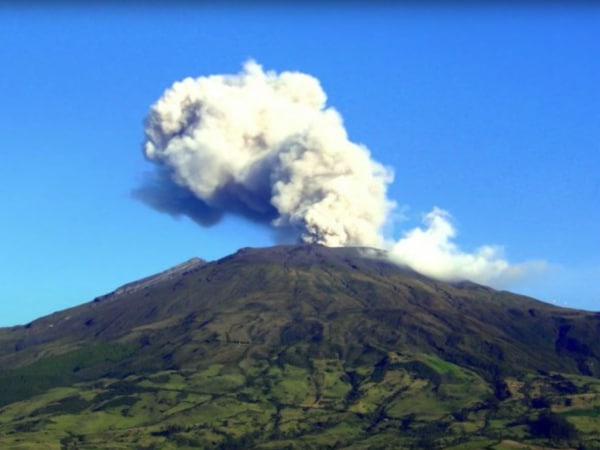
(365, 282)
(287, 344)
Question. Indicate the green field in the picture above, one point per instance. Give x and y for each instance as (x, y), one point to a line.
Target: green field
(417, 401)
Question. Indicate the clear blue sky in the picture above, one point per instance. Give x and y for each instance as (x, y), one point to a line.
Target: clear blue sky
(493, 115)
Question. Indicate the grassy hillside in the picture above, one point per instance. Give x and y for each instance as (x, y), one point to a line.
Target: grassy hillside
(302, 347)
(406, 401)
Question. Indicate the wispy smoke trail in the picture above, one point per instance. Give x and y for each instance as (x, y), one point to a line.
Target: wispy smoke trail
(265, 146)
(430, 250)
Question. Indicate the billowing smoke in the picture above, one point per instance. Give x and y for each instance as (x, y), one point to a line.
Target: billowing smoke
(430, 250)
(265, 146)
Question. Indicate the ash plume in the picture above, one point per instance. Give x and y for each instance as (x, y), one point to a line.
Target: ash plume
(265, 146)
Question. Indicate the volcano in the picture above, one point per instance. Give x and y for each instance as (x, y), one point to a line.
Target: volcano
(302, 347)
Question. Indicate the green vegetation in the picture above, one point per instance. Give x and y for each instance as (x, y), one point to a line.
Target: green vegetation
(419, 401)
(63, 370)
(302, 347)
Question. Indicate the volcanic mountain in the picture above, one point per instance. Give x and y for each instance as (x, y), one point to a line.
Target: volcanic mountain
(305, 347)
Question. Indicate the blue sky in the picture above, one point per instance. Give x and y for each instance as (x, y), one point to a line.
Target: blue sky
(492, 115)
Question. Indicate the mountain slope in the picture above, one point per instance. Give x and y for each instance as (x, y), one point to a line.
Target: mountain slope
(335, 298)
(306, 327)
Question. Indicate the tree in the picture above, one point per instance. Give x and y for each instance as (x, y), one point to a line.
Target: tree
(552, 426)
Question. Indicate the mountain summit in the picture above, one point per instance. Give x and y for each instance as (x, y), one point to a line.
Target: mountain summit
(291, 333)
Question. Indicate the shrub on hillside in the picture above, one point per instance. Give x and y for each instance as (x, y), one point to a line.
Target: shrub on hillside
(552, 426)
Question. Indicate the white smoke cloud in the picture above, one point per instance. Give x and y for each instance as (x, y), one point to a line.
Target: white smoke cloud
(431, 250)
(265, 146)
